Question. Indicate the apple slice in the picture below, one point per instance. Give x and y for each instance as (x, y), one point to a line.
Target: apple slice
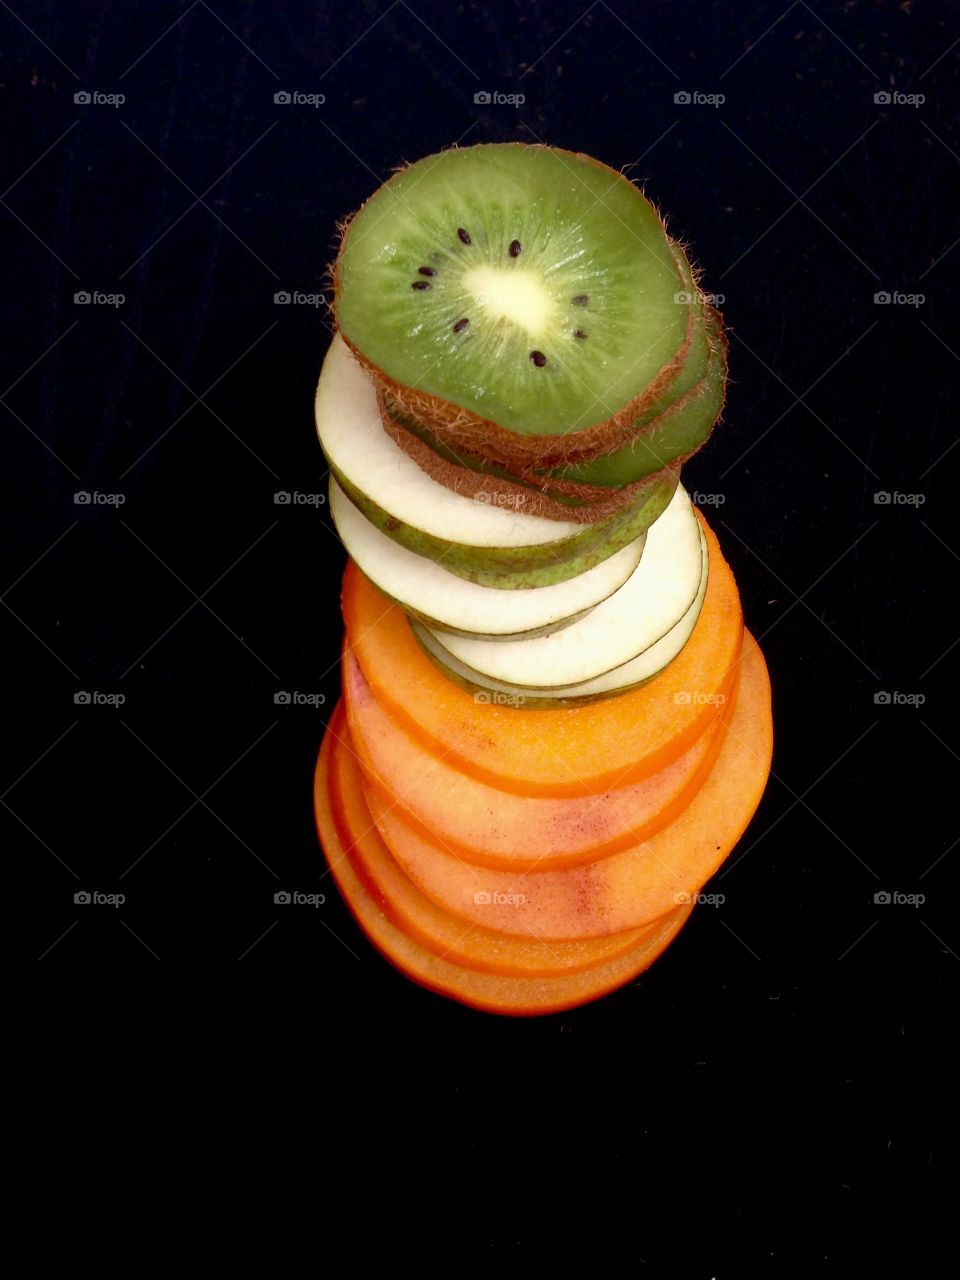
(484, 542)
(638, 671)
(654, 599)
(449, 603)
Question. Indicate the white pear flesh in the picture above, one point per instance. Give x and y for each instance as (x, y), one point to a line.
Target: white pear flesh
(449, 602)
(352, 435)
(654, 599)
(644, 667)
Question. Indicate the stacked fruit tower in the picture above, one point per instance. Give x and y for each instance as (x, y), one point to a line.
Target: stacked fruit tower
(554, 727)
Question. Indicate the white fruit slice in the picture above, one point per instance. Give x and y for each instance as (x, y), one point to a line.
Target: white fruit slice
(637, 671)
(450, 603)
(653, 599)
(353, 438)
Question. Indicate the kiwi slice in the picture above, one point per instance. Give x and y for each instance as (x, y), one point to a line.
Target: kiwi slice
(519, 300)
(669, 438)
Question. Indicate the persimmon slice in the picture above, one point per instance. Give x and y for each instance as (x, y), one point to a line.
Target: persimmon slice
(626, 890)
(576, 751)
(423, 921)
(494, 828)
(494, 993)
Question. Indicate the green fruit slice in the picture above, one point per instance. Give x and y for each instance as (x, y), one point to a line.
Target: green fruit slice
(652, 601)
(638, 671)
(532, 287)
(672, 436)
(449, 603)
(482, 542)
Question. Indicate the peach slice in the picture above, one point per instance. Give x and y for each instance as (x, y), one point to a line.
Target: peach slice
(494, 993)
(499, 829)
(626, 890)
(423, 921)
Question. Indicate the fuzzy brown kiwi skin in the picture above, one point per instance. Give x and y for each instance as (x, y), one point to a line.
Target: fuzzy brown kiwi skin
(600, 503)
(545, 495)
(461, 427)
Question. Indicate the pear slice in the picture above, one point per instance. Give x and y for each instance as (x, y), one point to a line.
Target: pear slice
(639, 670)
(653, 599)
(448, 603)
(489, 544)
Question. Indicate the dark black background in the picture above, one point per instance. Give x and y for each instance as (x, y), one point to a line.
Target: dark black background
(778, 1094)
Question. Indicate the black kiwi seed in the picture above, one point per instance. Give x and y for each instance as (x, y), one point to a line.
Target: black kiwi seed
(580, 300)
(464, 235)
(578, 333)
(426, 271)
(514, 248)
(420, 284)
(538, 358)
(461, 325)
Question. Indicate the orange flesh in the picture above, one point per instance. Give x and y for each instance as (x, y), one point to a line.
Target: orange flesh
(424, 922)
(578, 751)
(496, 993)
(499, 829)
(626, 890)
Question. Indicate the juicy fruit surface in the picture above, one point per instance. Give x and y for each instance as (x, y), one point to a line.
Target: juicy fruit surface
(540, 264)
(626, 890)
(421, 919)
(671, 435)
(495, 993)
(580, 751)
(646, 666)
(451, 603)
(654, 598)
(494, 828)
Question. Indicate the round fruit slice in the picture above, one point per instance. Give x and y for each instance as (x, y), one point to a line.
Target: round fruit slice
(482, 542)
(638, 671)
(582, 491)
(562, 492)
(513, 291)
(494, 828)
(447, 602)
(494, 993)
(653, 600)
(576, 752)
(628, 889)
(671, 436)
(421, 919)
